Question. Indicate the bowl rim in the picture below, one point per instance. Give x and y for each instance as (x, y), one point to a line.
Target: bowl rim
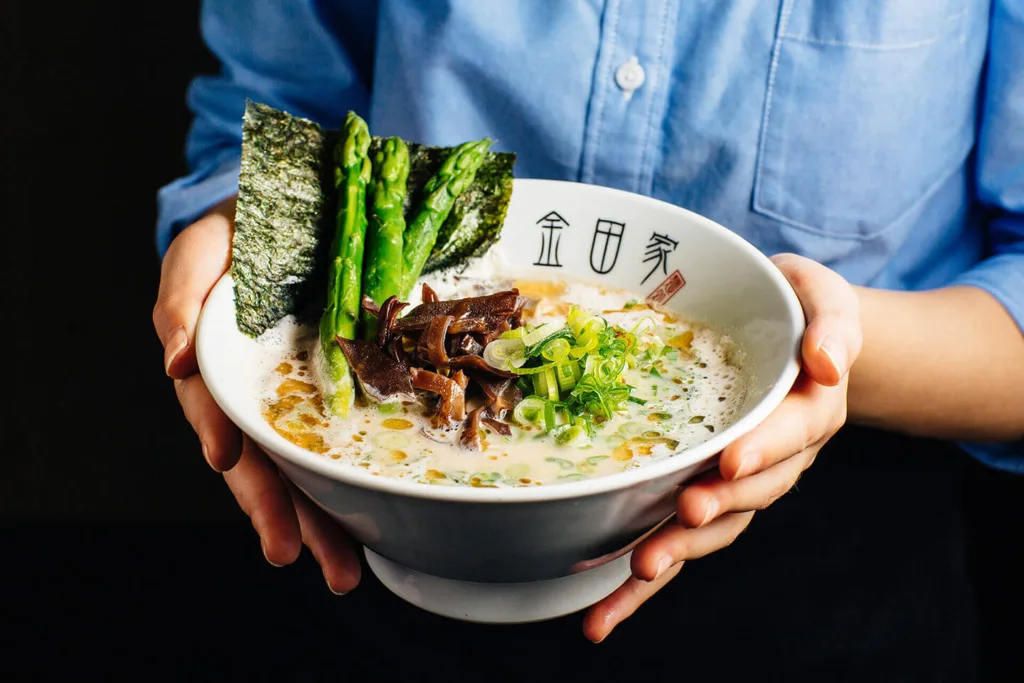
(354, 476)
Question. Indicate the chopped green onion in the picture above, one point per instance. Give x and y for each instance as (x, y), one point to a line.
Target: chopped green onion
(607, 371)
(577, 367)
(588, 464)
(556, 351)
(574, 315)
(538, 348)
(561, 462)
(529, 411)
(517, 333)
(458, 476)
(541, 332)
(540, 384)
(565, 376)
(505, 353)
(532, 371)
(572, 435)
(588, 424)
(549, 416)
(594, 327)
(552, 383)
(583, 349)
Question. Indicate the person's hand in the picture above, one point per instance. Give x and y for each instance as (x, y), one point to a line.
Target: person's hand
(761, 466)
(284, 517)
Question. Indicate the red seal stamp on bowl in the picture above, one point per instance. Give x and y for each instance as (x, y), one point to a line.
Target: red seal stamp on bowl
(664, 292)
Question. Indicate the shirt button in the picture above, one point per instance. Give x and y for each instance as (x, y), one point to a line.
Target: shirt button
(630, 75)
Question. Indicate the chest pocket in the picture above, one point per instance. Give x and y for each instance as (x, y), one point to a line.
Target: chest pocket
(867, 112)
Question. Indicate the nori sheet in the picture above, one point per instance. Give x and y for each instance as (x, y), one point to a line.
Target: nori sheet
(286, 202)
(281, 203)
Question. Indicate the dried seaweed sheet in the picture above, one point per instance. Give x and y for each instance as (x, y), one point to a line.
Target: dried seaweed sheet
(286, 202)
(281, 202)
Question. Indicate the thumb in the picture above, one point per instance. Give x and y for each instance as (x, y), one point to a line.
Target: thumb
(833, 339)
(196, 259)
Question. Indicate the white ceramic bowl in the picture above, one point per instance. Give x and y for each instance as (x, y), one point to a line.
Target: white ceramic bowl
(526, 554)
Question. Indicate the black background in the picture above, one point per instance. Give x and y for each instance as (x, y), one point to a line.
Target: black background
(115, 537)
(97, 100)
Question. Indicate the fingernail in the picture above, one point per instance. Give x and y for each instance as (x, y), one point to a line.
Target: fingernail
(836, 353)
(711, 511)
(331, 588)
(175, 345)
(206, 454)
(263, 544)
(749, 463)
(663, 564)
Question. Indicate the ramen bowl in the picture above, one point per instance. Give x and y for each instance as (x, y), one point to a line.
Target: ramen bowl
(515, 555)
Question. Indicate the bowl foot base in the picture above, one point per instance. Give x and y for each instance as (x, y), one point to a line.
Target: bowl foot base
(500, 603)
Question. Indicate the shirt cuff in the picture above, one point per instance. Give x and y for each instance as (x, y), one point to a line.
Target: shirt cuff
(1001, 276)
(184, 200)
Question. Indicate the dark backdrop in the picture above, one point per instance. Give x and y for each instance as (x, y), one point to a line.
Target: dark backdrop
(114, 534)
(96, 100)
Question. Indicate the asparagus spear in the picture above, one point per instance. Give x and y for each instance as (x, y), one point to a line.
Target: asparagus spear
(351, 175)
(455, 175)
(382, 275)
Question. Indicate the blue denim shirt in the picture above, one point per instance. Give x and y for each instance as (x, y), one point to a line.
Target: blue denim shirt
(883, 139)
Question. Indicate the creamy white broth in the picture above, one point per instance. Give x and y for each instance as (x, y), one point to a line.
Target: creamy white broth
(697, 393)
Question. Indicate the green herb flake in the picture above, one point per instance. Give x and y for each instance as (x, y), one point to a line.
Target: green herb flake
(561, 462)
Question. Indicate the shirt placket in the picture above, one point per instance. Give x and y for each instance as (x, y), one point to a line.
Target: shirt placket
(629, 94)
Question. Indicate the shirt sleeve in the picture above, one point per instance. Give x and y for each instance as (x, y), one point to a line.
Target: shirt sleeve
(284, 54)
(1000, 188)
